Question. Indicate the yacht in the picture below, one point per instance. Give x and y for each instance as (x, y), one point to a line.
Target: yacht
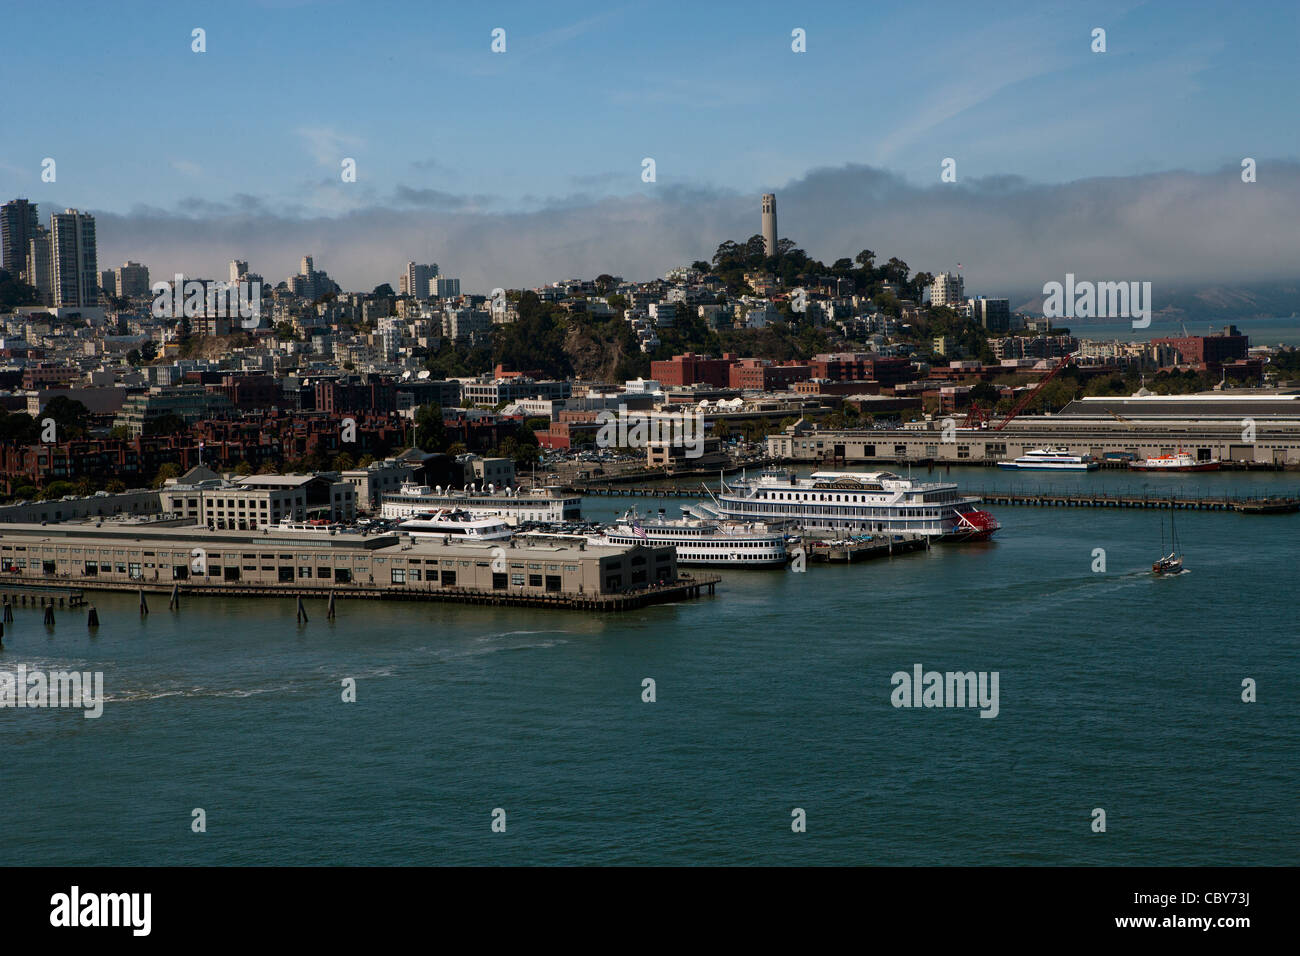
(702, 540)
(456, 524)
(548, 505)
(1051, 459)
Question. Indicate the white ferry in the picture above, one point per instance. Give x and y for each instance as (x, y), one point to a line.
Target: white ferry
(456, 524)
(547, 505)
(702, 541)
(857, 502)
(1051, 459)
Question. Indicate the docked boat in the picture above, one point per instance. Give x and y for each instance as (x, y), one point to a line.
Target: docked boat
(456, 524)
(545, 505)
(314, 526)
(1182, 461)
(1051, 459)
(702, 540)
(873, 502)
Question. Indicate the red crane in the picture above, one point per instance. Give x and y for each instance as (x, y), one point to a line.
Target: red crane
(978, 417)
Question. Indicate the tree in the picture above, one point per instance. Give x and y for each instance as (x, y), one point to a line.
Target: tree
(344, 462)
(383, 290)
(430, 431)
(243, 468)
(149, 351)
(115, 487)
(56, 490)
(168, 470)
(69, 414)
(168, 424)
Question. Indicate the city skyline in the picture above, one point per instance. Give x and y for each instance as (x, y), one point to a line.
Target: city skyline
(1036, 122)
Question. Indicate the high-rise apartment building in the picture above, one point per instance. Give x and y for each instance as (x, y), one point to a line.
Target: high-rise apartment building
(40, 269)
(132, 280)
(947, 289)
(17, 228)
(74, 260)
(415, 281)
(238, 270)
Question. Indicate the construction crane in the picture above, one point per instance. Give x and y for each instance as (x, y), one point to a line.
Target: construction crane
(1026, 399)
(979, 417)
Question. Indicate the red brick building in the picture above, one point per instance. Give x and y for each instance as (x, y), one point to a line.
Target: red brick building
(692, 369)
(1210, 351)
(861, 366)
(763, 375)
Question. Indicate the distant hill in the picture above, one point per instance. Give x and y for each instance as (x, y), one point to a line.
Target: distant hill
(1211, 304)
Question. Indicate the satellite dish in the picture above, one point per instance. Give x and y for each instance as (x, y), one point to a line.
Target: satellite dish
(406, 374)
(423, 375)
(492, 489)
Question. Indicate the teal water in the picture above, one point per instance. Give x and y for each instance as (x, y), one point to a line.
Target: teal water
(1117, 691)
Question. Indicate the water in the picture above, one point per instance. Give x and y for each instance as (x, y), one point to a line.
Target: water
(1282, 330)
(1117, 691)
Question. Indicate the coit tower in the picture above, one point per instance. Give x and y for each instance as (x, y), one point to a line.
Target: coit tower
(769, 223)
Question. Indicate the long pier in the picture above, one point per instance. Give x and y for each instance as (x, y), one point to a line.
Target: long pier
(1270, 504)
(1258, 504)
(687, 587)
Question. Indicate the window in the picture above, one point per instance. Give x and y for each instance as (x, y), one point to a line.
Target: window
(449, 579)
(285, 574)
(498, 582)
(517, 580)
(534, 580)
(399, 575)
(324, 572)
(553, 583)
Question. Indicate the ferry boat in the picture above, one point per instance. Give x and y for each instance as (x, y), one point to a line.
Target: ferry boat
(1051, 459)
(457, 525)
(702, 540)
(874, 502)
(542, 505)
(1174, 463)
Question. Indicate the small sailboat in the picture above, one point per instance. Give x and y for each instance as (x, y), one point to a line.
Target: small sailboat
(1171, 563)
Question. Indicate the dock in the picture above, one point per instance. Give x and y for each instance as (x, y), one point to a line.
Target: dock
(23, 594)
(853, 550)
(1260, 505)
(687, 587)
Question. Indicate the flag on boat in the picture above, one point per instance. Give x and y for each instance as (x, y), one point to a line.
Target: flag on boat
(638, 530)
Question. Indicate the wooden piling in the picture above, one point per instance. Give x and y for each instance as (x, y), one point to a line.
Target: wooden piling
(144, 605)
(49, 615)
(174, 602)
(329, 611)
(302, 611)
(92, 617)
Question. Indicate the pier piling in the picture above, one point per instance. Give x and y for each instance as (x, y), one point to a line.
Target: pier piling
(302, 611)
(8, 612)
(329, 611)
(92, 618)
(174, 602)
(144, 605)
(49, 615)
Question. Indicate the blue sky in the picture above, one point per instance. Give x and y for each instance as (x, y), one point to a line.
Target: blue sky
(141, 127)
